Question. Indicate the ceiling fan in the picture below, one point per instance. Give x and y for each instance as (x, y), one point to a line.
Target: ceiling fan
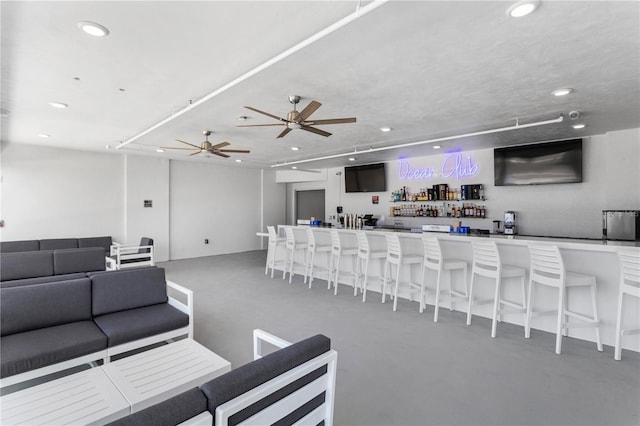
(299, 119)
(206, 148)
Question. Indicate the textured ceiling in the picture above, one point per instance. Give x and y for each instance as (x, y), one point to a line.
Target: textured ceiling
(427, 69)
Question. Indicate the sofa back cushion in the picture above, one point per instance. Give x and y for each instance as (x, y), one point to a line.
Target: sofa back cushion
(58, 243)
(32, 307)
(246, 377)
(104, 242)
(122, 290)
(69, 261)
(14, 246)
(27, 264)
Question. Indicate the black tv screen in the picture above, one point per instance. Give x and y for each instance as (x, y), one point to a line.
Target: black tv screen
(367, 178)
(539, 164)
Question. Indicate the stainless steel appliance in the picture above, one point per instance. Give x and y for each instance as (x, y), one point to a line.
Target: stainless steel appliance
(510, 223)
(621, 225)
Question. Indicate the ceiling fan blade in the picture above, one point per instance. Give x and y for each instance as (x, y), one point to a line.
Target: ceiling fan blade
(195, 146)
(266, 113)
(239, 151)
(173, 147)
(196, 153)
(308, 110)
(316, 131)
(220, 154)
(330, 121)
(284, 132)
(261, 125)
(220, 145)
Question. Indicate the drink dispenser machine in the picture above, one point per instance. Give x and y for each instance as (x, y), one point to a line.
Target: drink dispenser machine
(510, 223)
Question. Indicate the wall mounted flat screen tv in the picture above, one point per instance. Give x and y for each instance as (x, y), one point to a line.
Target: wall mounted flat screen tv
(366, 178)
(539, 164)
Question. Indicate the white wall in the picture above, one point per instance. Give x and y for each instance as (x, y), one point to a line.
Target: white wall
(55, 193)
(218, 203)
(611, 181)
(58, 193)
(147, 178)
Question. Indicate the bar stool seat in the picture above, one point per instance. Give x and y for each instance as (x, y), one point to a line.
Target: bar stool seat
(314, 247)
(272, 248)
(629, 286)
(395, 256)
(365, 254)
(487, 263)
(547, 268)
(433, 260)
(338, 251)
(293, 244)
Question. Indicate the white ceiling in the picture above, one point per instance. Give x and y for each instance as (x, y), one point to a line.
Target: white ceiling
(427, 69)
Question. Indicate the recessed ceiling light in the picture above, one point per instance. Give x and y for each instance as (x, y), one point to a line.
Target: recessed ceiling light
(352, 159)
(93, 29)
(58, 105)
(295, 148)
(522, 8)
(294, 167)
(579, 126)
(44, 135)
(562, 92)
(238, 161)
(436, 147)
(385, 129)
(159, 150)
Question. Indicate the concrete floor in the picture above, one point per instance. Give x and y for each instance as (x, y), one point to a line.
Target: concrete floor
(400, 368)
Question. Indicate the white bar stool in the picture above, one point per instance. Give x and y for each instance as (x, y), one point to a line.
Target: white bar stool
(272, 249)
(292, 245)
(487, 263)
(338, 251)
(547, 268)
(629, 285)
(313, 247)
(434, 261)
(365, 254)
(395, 256)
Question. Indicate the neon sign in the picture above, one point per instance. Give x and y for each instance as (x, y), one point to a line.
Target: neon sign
(453, 165)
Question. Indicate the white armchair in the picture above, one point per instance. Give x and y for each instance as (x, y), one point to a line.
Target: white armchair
(129, 255)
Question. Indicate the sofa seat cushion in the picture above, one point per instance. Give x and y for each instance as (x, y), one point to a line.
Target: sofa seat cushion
(246, 377)
(42, 280)
(133, 324)
(27, 264)
(69, 261)
(47, 346)
(173, 411)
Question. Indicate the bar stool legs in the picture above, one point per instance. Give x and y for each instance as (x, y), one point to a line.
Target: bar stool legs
(547, 268)
(630, 286)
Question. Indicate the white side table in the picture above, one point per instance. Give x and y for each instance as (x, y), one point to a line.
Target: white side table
(161, 373)
(87, 397)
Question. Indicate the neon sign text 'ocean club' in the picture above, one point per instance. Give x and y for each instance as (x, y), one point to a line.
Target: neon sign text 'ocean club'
(453, 165)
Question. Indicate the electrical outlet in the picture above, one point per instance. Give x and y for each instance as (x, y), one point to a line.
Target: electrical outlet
(206, 241)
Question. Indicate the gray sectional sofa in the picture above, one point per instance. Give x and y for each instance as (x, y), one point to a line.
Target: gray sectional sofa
(293, 384)
(53, 326)
(56, 243)
(34, 267)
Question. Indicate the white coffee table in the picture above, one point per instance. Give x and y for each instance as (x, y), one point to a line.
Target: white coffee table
(87, 397)
(158, 374)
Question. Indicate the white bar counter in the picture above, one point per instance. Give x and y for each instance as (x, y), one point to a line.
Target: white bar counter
(592, 257)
